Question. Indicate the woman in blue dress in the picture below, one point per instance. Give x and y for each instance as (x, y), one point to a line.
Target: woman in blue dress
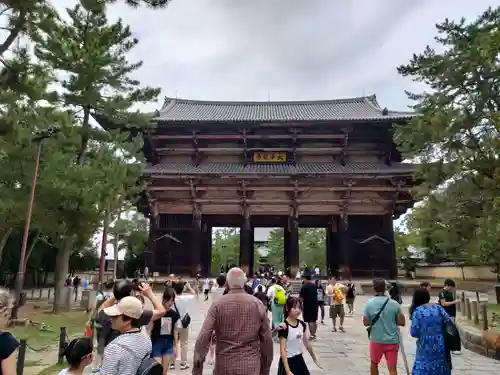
(432, 357)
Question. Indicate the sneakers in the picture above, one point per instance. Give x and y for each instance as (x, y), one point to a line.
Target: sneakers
(184, 366)
(96, 369)
(171, 366)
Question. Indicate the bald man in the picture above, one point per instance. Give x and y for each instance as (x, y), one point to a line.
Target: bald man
(239, 321)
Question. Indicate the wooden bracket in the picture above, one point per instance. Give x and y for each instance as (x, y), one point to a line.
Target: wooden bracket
(246, 156)
(294, 145)
(196, 155)
(344, 206)
(196, 207)
(399, 184)
(345, 144)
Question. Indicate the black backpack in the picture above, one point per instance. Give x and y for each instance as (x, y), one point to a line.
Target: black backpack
(149, 366)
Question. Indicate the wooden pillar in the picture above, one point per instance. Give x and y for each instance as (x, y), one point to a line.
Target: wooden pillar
(151, 248)
(196, 245)
(292, 231)
(246, 250)
(391, 257)
(332, 247)
(344, 268)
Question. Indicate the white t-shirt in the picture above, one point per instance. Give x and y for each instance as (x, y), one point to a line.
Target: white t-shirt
(183, 304)
(271, 292)
(294, 337)
(257, 288)
(206, 284)
(216, 293)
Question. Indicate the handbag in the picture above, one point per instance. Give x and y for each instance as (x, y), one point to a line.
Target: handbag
(451, 335)
(186, 319)
(376, 317)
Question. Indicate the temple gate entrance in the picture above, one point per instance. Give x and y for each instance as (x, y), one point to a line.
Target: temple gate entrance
(320, 164)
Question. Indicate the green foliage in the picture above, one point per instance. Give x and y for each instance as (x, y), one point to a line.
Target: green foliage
(456, 136)
(133, 233)
(226, 249)
(312, 247)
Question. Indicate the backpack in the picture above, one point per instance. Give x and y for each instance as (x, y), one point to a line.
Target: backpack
(337, 294)
(279, 295)
(149, 366)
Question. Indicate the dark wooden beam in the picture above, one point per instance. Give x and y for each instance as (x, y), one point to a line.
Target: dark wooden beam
(289, 188)
(244, 150)
(248, 136)
(343, 202)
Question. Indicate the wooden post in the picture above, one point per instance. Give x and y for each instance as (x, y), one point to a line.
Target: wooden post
(40, 291)
(62, 342)
(21, 355)
(50, 291)
(462, 307)
(475, 312)
(32, 293)
(467, 309)
(484, 312)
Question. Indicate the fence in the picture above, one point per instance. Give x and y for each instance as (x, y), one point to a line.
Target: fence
(23, 346)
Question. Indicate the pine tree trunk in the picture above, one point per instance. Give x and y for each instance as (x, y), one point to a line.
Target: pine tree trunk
(60, 274)
(32, 246)
(3, 241)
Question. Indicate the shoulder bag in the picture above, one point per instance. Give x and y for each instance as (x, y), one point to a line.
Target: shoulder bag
(186, 319)
(376, 317)
(451, 335)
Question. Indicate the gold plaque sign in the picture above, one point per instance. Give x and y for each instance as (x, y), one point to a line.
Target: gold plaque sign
(269, 157)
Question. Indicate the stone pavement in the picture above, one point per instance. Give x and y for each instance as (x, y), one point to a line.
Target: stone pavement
(347, 353)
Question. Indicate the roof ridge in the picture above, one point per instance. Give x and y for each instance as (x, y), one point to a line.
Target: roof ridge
(264, 102)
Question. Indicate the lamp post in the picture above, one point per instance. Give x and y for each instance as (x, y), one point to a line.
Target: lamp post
(38, 138)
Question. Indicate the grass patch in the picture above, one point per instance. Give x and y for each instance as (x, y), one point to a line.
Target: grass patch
(32, 363)
(51, 370)
(37, 338)
(494, 309)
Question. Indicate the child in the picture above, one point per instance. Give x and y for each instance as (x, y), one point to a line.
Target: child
(291, 338)
(206, 287)
(78, 354)
(350, 297)
(163, 339)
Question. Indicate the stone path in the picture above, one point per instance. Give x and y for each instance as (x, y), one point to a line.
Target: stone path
(347, 353)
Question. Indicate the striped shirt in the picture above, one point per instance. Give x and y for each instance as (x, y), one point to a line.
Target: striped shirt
(124, 355)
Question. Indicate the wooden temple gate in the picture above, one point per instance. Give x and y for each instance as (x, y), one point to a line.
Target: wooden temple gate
(330, 164)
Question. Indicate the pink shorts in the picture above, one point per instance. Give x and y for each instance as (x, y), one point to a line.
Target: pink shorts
(390, 351)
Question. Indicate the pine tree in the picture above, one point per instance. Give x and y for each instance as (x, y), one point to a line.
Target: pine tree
(90, 55)
(456, 137)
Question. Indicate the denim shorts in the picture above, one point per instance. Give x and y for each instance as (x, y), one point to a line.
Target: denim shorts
(162, 346)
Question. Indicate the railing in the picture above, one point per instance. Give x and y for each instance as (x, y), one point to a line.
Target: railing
(24, 346)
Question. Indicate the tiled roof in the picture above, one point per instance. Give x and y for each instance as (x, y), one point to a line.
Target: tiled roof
(362, 108)
(277, 169)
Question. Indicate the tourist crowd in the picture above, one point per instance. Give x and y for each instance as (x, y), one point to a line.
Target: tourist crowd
(237, 335)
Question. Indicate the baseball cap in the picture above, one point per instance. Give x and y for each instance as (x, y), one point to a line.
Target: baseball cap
(128, 306)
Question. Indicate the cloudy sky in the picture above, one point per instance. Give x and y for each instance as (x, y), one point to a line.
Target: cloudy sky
(285, 49)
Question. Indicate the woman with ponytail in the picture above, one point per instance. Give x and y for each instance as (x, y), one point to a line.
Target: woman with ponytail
(78, 354)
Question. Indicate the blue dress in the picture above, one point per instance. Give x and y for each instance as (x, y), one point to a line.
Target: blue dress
(431, 358)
